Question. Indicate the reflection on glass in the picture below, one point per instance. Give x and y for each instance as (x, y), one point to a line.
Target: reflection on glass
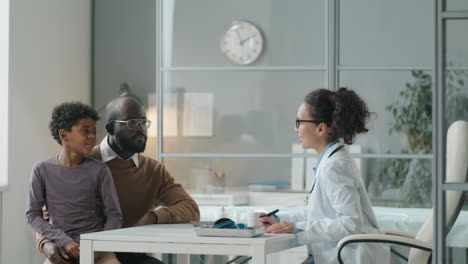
(399, 182)
(197, 174)
(251, 112)
(456, 5)
(456, 95)
(456, 71)
(457, 43)
(457, 238)
(402, 106)
(385, 184)
(386, 33)
(293, 32)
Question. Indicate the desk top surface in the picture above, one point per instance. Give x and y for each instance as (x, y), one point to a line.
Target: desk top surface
(180, 233)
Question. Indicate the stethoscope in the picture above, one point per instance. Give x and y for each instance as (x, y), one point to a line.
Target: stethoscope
(306, 199)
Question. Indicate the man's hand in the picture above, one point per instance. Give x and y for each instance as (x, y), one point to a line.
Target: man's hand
(281, 227)
(148, 219)
(55, 253)
(73, 249)
(45, 213)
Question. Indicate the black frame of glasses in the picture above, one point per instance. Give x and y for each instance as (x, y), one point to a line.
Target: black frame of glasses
(299, 121)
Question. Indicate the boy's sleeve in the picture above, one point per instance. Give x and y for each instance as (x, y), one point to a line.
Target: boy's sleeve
(36, 200)
(40, 241)
(110, 200)
(180, 207)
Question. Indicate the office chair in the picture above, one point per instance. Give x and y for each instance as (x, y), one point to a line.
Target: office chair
(421, 243)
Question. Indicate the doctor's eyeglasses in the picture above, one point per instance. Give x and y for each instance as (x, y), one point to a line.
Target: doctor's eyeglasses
(299, 121)
(134, 123)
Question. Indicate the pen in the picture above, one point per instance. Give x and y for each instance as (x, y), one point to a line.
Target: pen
(271, 213)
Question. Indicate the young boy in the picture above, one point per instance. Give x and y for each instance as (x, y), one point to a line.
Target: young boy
(78, 191)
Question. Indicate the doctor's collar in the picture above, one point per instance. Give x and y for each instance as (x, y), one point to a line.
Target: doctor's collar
(329, 145)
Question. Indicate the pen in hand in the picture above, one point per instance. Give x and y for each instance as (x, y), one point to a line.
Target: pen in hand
(271, 213)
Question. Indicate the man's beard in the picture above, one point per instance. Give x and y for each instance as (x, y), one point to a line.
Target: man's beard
(127, 144)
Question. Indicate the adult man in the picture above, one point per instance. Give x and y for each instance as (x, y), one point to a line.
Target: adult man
(141, 182)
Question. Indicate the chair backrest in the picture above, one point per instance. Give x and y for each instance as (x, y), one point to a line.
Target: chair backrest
(456, 171)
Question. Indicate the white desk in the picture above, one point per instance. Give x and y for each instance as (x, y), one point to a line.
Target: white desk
(180, 239)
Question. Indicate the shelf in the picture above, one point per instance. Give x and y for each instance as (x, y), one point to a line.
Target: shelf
(221, 199)
(288, 155)
(245, 68)
(455, 186)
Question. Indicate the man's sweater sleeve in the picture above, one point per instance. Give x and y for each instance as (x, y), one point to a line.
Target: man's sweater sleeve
(34, 216)
(180, 207)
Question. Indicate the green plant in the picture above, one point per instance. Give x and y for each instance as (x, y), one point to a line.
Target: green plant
(412, 116)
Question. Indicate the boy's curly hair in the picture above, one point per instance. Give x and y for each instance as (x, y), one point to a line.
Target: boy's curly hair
(66, 115)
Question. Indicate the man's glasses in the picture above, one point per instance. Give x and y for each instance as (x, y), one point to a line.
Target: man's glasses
(134, 123)
(299, 121)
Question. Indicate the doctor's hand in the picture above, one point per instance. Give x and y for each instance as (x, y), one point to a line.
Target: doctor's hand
(267, 220)
(281, 227)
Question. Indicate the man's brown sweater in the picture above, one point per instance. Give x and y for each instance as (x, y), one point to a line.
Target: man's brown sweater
(141, 190)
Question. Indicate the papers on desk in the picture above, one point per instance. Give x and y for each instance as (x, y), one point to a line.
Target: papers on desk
(226, 232)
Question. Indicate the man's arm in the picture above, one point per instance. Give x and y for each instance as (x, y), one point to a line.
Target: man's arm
(180, 207)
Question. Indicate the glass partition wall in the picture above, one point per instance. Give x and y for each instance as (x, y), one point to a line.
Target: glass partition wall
(250, 109)
(211, 111)
(451, 95)
(234, 117)
(215, 115)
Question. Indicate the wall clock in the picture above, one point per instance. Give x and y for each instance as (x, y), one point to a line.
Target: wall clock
(242, 43)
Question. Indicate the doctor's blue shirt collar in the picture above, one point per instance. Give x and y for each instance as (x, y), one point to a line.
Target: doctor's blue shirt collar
(329, 145)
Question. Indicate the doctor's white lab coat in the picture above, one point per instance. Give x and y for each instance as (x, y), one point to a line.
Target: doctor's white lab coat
(337, 207)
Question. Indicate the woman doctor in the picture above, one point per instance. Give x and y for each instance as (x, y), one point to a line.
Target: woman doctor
(338, 204)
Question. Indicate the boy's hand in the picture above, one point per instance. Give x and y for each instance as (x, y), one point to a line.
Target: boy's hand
(73, 249)
(55, 253)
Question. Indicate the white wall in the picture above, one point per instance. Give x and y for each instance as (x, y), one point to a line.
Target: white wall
(4, 29)
(49, 64)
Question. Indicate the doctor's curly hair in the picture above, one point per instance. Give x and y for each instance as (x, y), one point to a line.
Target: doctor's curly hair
(66, 115)
(344, 112)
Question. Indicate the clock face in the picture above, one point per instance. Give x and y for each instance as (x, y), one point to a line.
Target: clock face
(242, 43)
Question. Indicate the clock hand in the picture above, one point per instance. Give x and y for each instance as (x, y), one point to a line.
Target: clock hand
(238, 36)
(242, 42)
